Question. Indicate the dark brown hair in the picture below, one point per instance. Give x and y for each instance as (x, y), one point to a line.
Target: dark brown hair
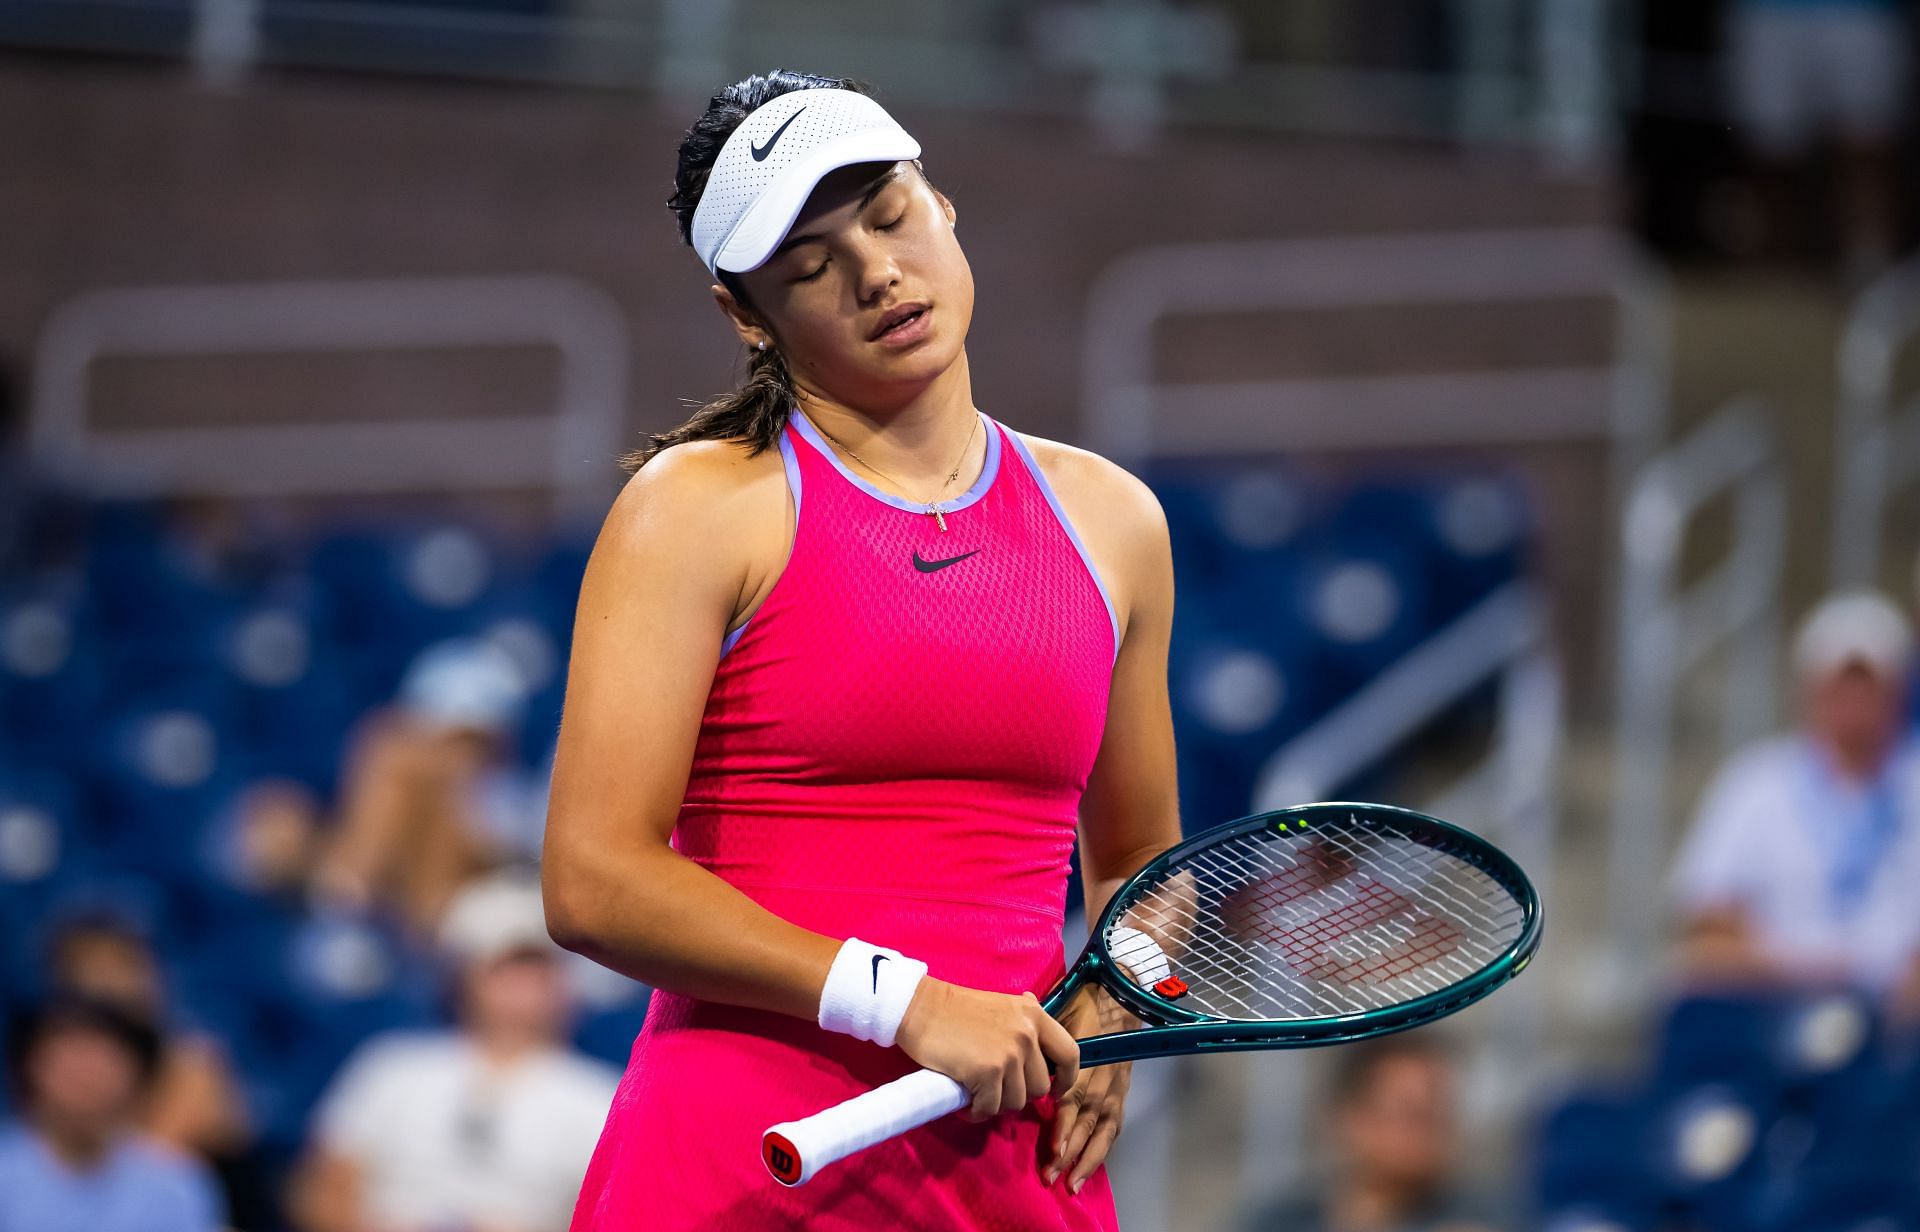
(755, 411)
(33, 1026)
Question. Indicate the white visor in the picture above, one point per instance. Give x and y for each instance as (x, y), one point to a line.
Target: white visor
(769, 164)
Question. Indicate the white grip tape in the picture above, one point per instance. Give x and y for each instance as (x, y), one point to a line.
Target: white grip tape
(1141, 955)
(795, 1151)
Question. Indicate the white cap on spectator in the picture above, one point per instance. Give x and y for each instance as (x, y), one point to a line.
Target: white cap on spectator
(1861, 627)
(495, 916)
(465, 683)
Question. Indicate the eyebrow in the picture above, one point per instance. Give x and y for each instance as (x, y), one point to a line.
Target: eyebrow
(866, 198)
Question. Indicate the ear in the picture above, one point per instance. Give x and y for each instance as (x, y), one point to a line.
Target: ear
(744, 323)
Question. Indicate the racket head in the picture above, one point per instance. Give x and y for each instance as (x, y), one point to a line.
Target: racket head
(1318, 924)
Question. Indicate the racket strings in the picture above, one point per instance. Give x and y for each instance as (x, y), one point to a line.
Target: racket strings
(1340, 919)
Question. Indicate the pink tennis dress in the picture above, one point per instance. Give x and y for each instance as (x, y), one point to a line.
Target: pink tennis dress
(894, 748)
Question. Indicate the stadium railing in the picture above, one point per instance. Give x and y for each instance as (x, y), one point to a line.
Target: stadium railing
(562, 449)
(1878, 447)
(1666, 628)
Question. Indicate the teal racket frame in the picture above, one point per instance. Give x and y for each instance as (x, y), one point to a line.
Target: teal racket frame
(1173, 1030)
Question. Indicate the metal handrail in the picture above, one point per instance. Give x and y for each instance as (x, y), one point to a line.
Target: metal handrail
(1131, 297)
(1665, 630)
(570, 450)
(1401, 700)
(1878, 447)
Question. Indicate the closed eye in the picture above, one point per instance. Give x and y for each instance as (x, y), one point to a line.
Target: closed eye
(822, 267)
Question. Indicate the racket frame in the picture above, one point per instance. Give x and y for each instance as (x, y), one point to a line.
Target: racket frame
(1173, 1030)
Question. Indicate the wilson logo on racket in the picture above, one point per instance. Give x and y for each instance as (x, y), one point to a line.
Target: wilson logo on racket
(782, 1160)
(1330, 926)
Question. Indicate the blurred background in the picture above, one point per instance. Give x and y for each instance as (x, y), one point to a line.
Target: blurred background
(1528, 387)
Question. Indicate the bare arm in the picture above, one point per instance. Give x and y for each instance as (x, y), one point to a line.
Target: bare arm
(1130, 812)
(324, 1194)
(661, 584)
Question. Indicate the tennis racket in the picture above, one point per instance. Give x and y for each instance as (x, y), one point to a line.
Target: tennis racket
(1321, 924)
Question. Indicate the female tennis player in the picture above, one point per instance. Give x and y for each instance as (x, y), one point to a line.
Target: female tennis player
(850, 661)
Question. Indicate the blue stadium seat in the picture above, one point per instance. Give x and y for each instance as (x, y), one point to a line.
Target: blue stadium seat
(1591, 1162)
(608, 1034)
(51, 680)
(397, 587)
(1223, 515)
(1708, 1150)
(1470, 530)
(42, 856)
(294, 694)
(1882, 1202)
(146, 587)
(166, 753)
(1729, 1039)
(1366, 600)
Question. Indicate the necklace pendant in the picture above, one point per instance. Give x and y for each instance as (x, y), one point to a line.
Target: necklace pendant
(938, 516)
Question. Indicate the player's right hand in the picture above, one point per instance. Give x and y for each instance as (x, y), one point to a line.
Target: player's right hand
(997, 1046)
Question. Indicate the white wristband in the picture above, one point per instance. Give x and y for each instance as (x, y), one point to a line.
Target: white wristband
(1140, 955)
(868, 990)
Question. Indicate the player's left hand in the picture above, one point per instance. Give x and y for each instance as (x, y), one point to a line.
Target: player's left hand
(1087, 1118)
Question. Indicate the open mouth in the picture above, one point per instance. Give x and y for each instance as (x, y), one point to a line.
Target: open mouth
(892, 325)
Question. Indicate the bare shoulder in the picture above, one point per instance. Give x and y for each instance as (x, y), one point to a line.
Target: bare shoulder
(712, 492)
(701, 514)
(1104, 490)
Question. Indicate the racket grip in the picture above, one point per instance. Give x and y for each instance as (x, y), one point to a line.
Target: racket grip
(795, 1151)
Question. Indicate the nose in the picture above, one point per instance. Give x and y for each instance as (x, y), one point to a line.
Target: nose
(879, 272)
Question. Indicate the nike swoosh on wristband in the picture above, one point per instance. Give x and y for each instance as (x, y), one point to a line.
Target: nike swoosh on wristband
(760, 152)
(877, 960)
(933, 566)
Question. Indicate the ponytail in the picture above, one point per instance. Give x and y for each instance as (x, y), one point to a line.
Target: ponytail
(752, 414)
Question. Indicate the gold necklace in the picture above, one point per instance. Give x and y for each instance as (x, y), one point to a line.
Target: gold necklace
(933, 506)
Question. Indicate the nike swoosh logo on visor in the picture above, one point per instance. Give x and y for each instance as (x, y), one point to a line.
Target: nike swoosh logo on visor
(932, 566)
(760, 152)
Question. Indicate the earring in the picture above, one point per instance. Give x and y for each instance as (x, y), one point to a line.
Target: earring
(763, 344)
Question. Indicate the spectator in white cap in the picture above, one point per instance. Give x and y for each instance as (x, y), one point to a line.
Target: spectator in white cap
(485, 1128)
(432, 795)
(1802, 861)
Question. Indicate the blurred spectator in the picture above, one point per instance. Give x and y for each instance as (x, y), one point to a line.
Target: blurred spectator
(487, 1128)
(1390, 1122)
(431, 795)
(77, 1162)
(267, 837)
(194, 1103)
(1804, 69)
(1802, 861)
